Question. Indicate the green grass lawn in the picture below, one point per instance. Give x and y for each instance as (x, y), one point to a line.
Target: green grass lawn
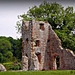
(65, 72)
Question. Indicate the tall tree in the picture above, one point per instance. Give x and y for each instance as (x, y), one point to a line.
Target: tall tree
(62, 20)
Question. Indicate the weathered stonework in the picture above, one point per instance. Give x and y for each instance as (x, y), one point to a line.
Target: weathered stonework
(41, 47)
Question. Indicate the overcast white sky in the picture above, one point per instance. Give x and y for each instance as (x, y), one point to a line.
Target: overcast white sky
(10, 9)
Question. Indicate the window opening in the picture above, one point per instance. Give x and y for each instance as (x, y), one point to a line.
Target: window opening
(37, 42)
(42, 26)
(27, 41)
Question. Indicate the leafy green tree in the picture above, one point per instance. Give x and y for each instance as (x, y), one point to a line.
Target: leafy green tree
(54, 13)
(9, 55)
(1, 58)
(10, 48)
(69, 20)
(62, 20)
(19, 49)
(14, 43)
(5, 45)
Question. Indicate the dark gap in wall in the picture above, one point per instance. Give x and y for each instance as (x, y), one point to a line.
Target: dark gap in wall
(37, 42)
(27, 41)
(26, 55)
(42, 26)
(39, 57)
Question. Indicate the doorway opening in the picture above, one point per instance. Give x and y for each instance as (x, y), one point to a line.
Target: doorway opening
(56, 62)
(39, 57)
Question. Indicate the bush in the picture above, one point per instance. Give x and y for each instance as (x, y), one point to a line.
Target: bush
(12, 66)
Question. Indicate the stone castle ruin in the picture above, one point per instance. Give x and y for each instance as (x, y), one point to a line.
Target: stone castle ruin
(42, 48)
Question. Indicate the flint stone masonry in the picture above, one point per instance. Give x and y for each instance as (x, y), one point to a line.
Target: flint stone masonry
(41, 47)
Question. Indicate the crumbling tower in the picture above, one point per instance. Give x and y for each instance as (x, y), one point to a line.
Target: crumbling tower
(34, 35)
(41, 47)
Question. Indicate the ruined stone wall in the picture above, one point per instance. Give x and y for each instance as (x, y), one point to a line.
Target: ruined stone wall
(69, 59)
(54, 49)
(26, 43)
(41, 47)
(40, 33)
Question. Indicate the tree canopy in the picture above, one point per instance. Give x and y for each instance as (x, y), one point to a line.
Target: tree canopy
(62, 20)
(4, 46)
(54, 13)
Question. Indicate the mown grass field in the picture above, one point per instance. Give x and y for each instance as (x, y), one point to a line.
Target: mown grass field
(65, 72)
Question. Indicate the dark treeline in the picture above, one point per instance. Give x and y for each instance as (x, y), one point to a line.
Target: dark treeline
(10, 49)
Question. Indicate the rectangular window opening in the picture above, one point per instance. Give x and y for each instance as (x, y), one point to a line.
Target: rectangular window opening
(42, 26)
(37, 42)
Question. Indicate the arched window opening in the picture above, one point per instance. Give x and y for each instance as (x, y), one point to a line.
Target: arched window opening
(26, 55)
(39, 57)
(56, 63)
